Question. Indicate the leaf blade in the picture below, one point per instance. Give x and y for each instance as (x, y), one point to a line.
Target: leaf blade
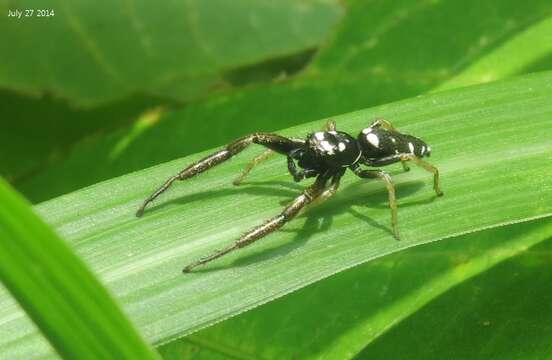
(491, 163)
(72, 309)
(514, 325)
(89, 66)
(337, 317)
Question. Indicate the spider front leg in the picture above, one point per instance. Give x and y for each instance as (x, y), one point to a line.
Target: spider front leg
(274, 142)
(331, 190)
(386, 179)
(330, 126)
(327, 193)
(294, 208)
(297, 174)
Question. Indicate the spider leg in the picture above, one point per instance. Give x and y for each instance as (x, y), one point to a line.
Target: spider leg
(299, 175)
(410, 157)
(330, 126)
(386, 178)
(256, 161)
(274, 142)
(384, 124)
(289, 212)
(302, 174)
(330, 191)
(426, 166)
(259, 159)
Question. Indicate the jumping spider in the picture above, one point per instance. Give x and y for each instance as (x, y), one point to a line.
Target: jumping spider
(325, 155)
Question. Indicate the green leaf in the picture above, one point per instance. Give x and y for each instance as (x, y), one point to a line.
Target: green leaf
(503, 314)
(39, 131)
(489, 142)
(383, 51)
(524, 49)
(171, 49)
(337, 317)
(74, 312)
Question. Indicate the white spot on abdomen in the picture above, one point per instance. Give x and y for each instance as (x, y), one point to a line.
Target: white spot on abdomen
(341, 146)
(373, 139)
(411, 147)
(367, 130)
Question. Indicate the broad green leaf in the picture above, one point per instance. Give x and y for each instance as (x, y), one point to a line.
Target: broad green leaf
(523, 50)
(383, 51)
(66, 302)
(39, 130)
(337, 317)
(503, 314)
(92, 53)
(35, 132)
(489, 142)
(413, 44)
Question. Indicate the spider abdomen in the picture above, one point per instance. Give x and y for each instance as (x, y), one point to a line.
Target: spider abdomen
(385, 145)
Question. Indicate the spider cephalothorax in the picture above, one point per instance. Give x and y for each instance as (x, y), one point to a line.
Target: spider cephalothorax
(325, 155)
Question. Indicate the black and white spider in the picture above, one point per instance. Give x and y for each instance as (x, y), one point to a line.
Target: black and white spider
(325, 155)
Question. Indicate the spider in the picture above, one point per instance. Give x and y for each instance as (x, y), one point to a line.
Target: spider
(324, 155)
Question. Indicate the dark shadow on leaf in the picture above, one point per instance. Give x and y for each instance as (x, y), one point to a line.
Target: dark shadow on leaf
(269, 191)
(318, 218)
(288, 184)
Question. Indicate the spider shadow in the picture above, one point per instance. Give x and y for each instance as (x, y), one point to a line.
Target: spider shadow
(320, 218)
(266, 188)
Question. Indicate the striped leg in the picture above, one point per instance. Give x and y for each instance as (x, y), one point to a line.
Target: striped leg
(274, 142)
(289, 212)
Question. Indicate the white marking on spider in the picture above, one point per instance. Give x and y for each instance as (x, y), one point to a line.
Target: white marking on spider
(333, 132)
(327, 147)
(373, 139)
(423, 149)
(367, 130)
(411, 147)
(341, 146)
(393, 139)
(319, 135)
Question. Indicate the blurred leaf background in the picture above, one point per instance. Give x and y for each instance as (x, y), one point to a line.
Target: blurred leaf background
(101, 90)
